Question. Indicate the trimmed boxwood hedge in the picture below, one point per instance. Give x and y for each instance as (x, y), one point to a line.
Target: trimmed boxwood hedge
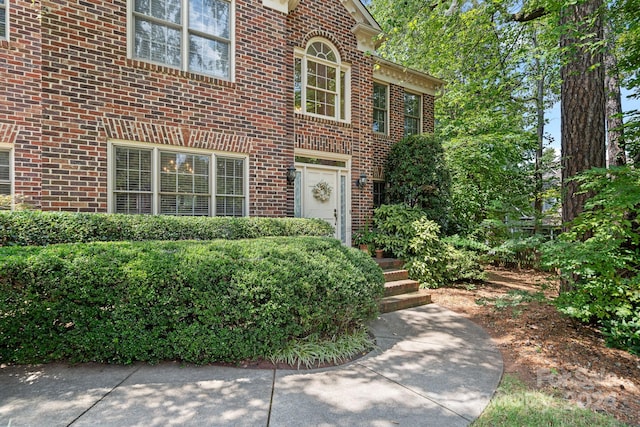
(44, 228)
(194, 301)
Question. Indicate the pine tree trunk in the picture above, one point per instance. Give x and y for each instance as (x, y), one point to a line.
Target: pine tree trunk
(582, 104)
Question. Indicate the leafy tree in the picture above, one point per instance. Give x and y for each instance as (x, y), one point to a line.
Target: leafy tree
(492, 109)
(489, 180)
(418, 176)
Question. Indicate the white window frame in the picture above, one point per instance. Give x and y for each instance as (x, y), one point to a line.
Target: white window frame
(387, 101)
(341, 67)
(156, 149)
(185, 32)
(404, 116)
(5, 7)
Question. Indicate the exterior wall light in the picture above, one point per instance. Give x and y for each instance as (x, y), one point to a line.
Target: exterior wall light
(362, 181)
(291, 174)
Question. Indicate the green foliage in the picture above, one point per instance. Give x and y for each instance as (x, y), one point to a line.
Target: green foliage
(600, 256)
(519, 252)
(418, 176)
(513, 298)
(43, 228)
(467, 244)
(194, 301)
(491, 180)
(407, 233)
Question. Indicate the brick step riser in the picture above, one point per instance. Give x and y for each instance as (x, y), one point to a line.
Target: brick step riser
(402, 288)
(395, 305)
(388, 263)
(392, 276)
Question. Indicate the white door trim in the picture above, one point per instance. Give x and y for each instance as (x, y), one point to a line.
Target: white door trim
(343, 223)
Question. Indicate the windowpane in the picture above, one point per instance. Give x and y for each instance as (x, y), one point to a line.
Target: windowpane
(411, 114)
(184, 183)
(321, 50)
(132, 203)
(157, 43)
(229, 206)
(210, 16)
(133, 169)
(230, 197)
(166, 10)
(297, 84)
(159, 34)
(185, 205)
(379, 108)
(208, 56)
(5, 174)
(4, 166)
(379, 191)
(184, 173)
(133, 181)
(343, 95)
(325, 88)
(3, 21)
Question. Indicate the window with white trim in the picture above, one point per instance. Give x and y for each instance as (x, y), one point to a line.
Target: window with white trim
(412, 113)
(153, 180)
(3, 19)
(5, 173)
(192, 35)
(380, 108)
(321, 82)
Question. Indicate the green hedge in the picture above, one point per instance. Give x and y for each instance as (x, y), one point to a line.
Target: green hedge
(198, 302)
(43, 228)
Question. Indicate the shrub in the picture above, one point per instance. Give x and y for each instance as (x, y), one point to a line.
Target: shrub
(519, 252)
(43, 228)
(599, 257)
(417, 175)
(408, 234)
(198, 302)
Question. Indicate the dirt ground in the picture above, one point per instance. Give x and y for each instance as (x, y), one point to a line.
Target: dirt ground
(545, 349)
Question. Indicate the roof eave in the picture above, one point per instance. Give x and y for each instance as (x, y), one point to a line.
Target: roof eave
(390, 72)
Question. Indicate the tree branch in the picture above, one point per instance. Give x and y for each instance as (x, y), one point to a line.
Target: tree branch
(529, 16)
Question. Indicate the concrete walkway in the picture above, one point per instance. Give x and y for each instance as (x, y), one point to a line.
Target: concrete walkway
(432, 368)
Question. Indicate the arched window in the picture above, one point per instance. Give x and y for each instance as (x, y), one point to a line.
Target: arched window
(321, 82)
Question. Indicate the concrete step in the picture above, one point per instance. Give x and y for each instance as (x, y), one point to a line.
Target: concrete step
(400, 302)
(395, 274)
(398, 287)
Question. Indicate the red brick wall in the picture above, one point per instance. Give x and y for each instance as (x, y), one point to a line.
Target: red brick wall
(70, 87)
(331, 20)
(20, 110)
(92, 92)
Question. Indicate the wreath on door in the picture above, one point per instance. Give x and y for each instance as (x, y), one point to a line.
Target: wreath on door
(322, 191)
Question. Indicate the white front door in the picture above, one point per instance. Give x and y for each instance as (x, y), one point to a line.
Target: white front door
(323, 203)
(322, 192)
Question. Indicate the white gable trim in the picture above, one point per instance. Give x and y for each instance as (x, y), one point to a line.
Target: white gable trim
(284, 6)
(388, 72)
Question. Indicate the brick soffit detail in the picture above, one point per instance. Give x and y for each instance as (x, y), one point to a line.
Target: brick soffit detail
(9, 133)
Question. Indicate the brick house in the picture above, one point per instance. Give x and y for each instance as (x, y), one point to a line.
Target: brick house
(202, 107)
